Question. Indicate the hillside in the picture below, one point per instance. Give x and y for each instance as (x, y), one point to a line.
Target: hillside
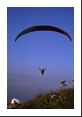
(60, 99)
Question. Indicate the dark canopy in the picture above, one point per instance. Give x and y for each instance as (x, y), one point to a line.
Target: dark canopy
(43, 28)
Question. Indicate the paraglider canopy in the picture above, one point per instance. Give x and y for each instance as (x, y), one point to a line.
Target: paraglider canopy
(43, 28)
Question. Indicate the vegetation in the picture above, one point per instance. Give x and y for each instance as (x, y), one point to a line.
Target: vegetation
(60, 99)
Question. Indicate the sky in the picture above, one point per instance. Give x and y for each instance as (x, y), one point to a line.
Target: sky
(47, 49)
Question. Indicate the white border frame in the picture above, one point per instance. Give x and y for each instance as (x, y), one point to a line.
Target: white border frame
(77, 57)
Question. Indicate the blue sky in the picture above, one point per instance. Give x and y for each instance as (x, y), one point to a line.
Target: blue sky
(48, 49)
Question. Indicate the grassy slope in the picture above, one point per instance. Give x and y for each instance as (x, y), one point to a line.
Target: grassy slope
(61, 99)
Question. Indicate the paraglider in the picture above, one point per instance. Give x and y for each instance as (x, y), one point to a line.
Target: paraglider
(63, 82)
(15, 101)
(43, 28)
(42, 70)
